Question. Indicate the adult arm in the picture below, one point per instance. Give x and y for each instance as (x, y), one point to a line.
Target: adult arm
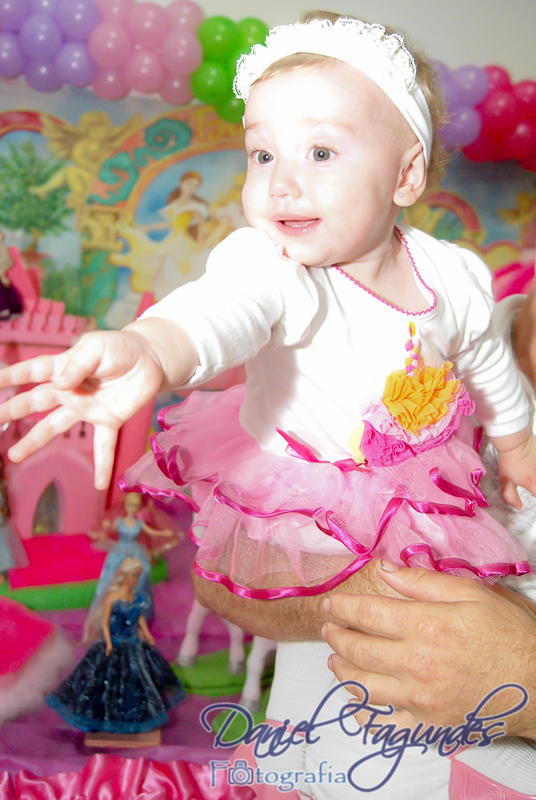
(289, 619)
(436, 655)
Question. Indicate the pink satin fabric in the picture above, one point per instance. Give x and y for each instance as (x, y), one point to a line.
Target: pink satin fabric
(108, 777)
(467, 784)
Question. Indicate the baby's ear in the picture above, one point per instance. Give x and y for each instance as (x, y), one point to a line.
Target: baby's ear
(412, 180)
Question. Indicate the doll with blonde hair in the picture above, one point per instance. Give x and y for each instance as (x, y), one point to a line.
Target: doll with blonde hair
(367, 345)
(122, 684)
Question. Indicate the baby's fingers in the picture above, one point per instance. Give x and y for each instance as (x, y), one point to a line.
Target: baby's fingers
(42, 433)
(104, 442)
(34, 370)
(509, 493)
(41, 398)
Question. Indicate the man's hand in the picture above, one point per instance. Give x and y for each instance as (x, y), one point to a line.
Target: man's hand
(438, 657)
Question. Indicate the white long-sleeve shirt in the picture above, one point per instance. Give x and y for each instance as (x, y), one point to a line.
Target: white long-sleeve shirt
(318, 346)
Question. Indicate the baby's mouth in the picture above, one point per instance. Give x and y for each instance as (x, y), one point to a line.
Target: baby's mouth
(296, 226)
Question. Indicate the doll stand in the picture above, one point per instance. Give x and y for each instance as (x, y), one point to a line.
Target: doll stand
(122, 740)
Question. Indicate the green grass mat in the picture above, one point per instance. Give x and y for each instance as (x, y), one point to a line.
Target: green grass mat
(67, 595)
(209, 675)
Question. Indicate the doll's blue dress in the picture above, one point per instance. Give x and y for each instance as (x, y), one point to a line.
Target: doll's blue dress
(128, 691)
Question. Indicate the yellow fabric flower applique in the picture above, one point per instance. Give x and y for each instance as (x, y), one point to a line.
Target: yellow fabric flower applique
(420, 399)
(418, 396)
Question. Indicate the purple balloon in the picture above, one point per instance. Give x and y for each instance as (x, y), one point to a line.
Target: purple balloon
(40, 38)
(12, 59)
(463, 129)
(44, 7)
(472, 84)
(42, 76)
(74, 66)
(77, 19)
(12, 14)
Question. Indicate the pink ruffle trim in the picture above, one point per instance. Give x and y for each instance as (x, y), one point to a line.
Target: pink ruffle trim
(275, 526)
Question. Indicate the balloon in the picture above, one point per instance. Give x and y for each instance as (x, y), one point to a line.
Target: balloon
(143, 72)
(44, 6)
(530, 162)
(252, 31)
(525, 95)
(74, 66)
(109, 84)
(485, 148)
(219, 37)
(147, 25)
(176, 91)
(41, 75)
(463, 129)
(450, 93)
(12, 14)
(77, 18)
(472, 84)
(498, 77)
(12, 59)
(114, 10)
(520, 143)
(40, 38)
(499, 112)
(181, 53)
(109, 45)
(185, 14)
(231, 109)
(210, 82)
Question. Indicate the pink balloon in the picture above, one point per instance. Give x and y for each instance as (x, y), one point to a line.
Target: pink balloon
(181, 52)
(186, 15)
(499, 112)
(525, 95)
(144, 72)
(176, 91)
(498, 77)
(530, 162)
(109, 45)
(520, 143)
(114, 10)
(109, 84)
(148, 24)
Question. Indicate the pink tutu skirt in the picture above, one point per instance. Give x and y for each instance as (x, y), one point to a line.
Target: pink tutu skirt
(281, 525)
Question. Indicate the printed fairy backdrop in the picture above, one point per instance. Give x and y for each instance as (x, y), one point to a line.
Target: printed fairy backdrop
(112, 200)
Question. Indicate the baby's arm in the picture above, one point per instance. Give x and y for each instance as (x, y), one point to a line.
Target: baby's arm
(516, 465)
(104, 380)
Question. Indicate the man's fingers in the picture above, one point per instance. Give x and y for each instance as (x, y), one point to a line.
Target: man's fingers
(384, 616)
(428, 585)
(382, 689)
(369, 653)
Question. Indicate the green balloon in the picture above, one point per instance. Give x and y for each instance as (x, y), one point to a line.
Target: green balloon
(210, 82)
(219, 36)
(252, 31)
(231, 109)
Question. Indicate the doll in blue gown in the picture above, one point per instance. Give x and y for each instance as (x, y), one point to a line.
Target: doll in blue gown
(129, 526)
(122, 684)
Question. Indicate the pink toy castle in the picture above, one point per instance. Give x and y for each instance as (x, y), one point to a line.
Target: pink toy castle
(52, 491)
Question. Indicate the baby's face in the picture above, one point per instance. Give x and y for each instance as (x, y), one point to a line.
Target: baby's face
(324, 155)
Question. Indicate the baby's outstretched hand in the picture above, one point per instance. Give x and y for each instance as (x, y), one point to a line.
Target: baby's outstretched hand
(517, 465)
(104, 380)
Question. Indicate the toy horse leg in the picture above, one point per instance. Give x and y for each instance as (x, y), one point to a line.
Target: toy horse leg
(190, 643)
(251, 693)
(237, 655)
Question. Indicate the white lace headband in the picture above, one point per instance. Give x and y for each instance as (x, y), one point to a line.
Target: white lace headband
(380, 55)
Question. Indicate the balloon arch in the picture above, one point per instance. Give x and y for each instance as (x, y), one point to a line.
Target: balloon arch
(121, 46)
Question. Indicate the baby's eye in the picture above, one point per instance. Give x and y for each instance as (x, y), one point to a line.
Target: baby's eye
(263, 157)
(322, 154)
